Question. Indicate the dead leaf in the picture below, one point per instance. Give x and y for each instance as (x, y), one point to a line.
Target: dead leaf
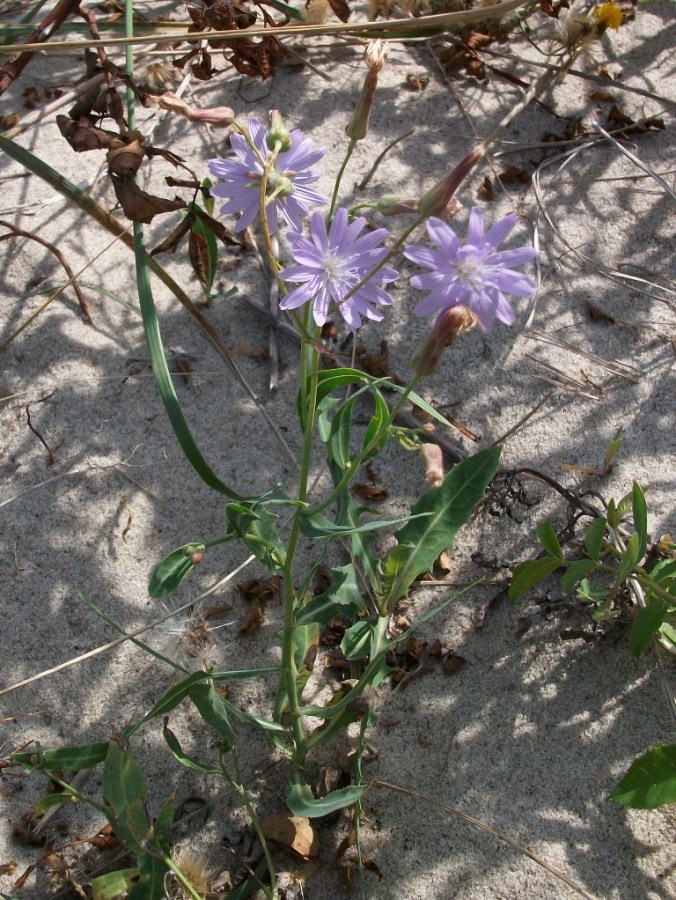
(376, 364)
(259, 354)
(372, 492)
(341, 9)
(513, 173)
(82, 135)
(8, 868)
(293, 832)
(215, 612)
(452, 663)
(138, 205)
(444, 562)
(417, 82)
(125, 161)
(175, 236)
(602, 96)
(485, 191)
(252, 620)
(105, 839)
(199, 257)
(597, 313)
(261, 591)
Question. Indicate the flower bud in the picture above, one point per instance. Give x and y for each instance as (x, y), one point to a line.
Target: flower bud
(390, 205)
(433, 458)
(435, 201)
(278, 138)
(358, 126)
(450, 324)
(217, 115)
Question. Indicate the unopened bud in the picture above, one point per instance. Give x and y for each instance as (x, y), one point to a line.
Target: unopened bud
(216, 115)
(435, 201)
(279, 137)
(358, 126)
(433, 458)
(450, 324)
(390, 205)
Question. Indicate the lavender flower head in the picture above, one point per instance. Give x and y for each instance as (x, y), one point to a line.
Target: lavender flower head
(288, 179)
(475, 275)
(330, 265)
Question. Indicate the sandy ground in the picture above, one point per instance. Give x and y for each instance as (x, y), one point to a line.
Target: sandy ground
(532, 734)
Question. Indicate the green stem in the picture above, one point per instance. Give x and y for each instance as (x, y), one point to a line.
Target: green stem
(170, 864)
(238, 785)
(651, 586)
(364, 453)
(339, 177)
(309, 375)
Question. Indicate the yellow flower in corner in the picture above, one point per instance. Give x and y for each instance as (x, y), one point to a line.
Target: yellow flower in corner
(609, 15)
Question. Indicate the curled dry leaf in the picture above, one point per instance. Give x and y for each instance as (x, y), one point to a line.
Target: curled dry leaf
(293, 832)
(138, 205)
(252, 620)
(125, 161)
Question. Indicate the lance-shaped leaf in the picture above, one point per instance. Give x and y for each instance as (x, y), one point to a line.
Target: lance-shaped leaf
(443, 510)
(650, 781)
(170, 572)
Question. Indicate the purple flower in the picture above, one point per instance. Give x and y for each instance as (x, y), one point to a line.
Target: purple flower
(288, 179)
(330, 266)
(475, 275)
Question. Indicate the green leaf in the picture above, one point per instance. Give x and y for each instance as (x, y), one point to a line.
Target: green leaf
(640, 514)
(256, 526)
(356, 642)
(50, 800)
(646, 624)
(668, 632)
(549, 540)
(211, 248)
(576, 572)
(650, 781)
(588, 592)
(445, 509)
(338, 443)
(593, 537)
(664, 573)
(151, 883)
(177, 751)
(124, 793)
(213, 710)
(342, 597)
(301, 801)
(613, 448)
(628, 559)
(112, 885)
(168, 574)
(319, 526)
(168, 701)
(67, 759)
(376, 425)
(164, 823)
(528, 574)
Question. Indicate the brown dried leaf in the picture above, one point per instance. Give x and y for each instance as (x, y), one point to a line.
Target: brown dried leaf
(452, 663)
(293, 832)
(513, 173)
(215, 612)
(8, 868)
(259, 354)
(138, 205)
(83, 136)
(597, 313)
(602, 96)
(224, 234)
(417, 82)
(372, 492)
(261, 591)
(199, 257)
(252, 620)
(444, 562)
(340, 9)
(174, 238)
(485, 191)
(125, 161)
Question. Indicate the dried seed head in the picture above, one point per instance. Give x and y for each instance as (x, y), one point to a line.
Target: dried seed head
(316, 12)
(195, 867)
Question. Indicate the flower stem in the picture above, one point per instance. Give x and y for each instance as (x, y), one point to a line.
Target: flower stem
(309, 374)
(339, 177)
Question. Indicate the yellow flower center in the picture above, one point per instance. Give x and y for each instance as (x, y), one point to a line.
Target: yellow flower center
(609, 15)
